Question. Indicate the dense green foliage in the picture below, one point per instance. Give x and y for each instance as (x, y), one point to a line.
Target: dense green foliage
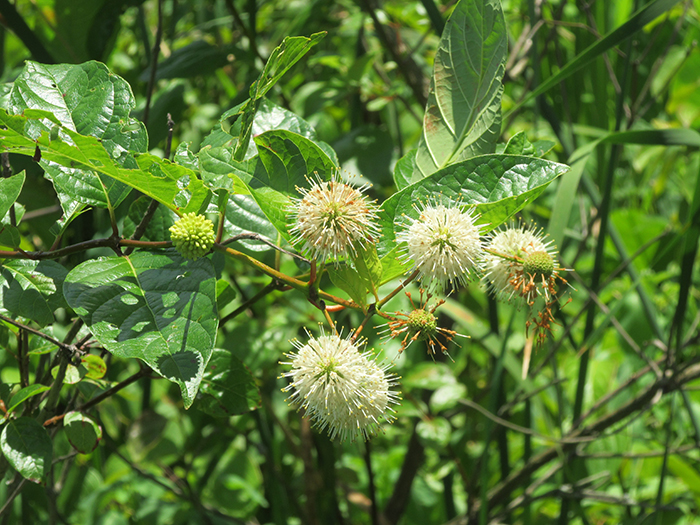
(141, 386)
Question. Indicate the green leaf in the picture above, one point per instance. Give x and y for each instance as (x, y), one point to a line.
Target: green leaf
(31, 289)
(463, 115)
(347, 279)
(498, 186)
(24, 394)
(227, 388)
(10, 188)
(369, 268)
(244, 216)
(154, 306)
(10, 236)
(175, 186)
(90, 100)
(430, 376)
(434, 433)
(447, 397)
(28, 448)
(82, 432)
(95, 367)
(289, 159)
(74, 374)
(282, 58)
(403, 170)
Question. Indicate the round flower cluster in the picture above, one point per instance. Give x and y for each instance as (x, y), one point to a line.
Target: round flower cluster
(193, 235)
(444, 245)
(342, 390)
(331, 219)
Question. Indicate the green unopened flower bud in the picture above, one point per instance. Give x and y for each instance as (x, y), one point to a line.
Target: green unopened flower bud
(193, 235)
(422, 322)
(539, 264)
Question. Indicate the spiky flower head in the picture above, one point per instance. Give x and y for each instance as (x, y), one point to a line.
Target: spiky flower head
(521, 265)
(342, 389)
(443, 243)
(420, 324)
(193, 235)
(332, 219)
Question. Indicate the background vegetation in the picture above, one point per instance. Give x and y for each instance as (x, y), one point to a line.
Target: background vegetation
(604, 428)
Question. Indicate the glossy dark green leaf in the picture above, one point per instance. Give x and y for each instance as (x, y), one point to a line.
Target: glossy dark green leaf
(31, 289)
(289, 159)
(10, 236)
(463, 115)
(175, 186)
(10, 188)
(82, 432)
(498, 186)
(28, 448)
(154, 306)
(24, 394)
(90, 100)
(244, 216)
(227, 387)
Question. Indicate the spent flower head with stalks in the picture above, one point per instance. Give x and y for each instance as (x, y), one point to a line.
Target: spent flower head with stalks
(521, 265)
(343, 390)
(443, 243)
(421, 325)
(332, 218)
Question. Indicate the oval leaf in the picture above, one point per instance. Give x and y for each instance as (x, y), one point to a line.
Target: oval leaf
(82, 432)
(10, 188)
(28, 448)
(24, 394)
(154, 306)
(463, 115)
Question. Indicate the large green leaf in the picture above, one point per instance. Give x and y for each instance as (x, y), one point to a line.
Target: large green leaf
(244, 216)
(31, 289)
(10, 189)
(228, 388)
(497, 185)
(196, 58)
(154, 306)
(175, 186)
(90, 100)
(28, 448)
(282, 58)
(463, 115)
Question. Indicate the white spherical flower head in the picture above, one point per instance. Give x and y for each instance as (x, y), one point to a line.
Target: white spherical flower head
(508, 253)
(331, 219)
(444, 245)
(341, 389)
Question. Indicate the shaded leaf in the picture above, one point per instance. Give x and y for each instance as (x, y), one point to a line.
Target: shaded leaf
(347, 279)
(196, 58)
(403, 170)
(82, 432)
(434, 433)
(227, 388)
(31, 289)
(154, 306)
(28, 448)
